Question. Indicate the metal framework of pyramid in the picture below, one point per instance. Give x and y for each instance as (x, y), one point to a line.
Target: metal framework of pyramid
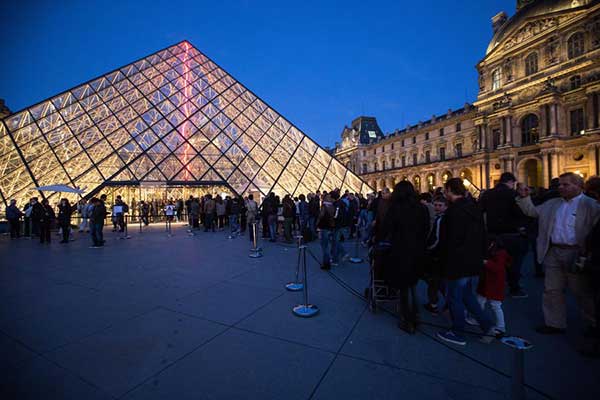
(175, 118)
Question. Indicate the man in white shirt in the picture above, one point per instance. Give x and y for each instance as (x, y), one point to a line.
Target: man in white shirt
(564, 225)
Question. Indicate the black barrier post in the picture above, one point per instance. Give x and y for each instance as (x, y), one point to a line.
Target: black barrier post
(297, 285)
(305, 310)
(125, 234)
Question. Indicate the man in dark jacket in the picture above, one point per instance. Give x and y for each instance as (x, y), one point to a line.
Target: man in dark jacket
(505, 219)
(462, 251)
(13, 214)
(97, 222)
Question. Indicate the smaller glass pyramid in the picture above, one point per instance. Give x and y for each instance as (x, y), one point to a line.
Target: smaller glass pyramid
(175, 118)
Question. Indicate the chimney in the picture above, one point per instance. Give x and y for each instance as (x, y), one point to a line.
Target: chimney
(498, 20)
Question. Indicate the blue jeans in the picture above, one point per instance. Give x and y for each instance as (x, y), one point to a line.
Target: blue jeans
(96, 232)
(326, 236)
(337, 246)
(233, 223)
(272, 220)
(460, 296)
(312, 224)
(516, 245)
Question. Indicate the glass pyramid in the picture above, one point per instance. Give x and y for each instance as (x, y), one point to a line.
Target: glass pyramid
(173, 118)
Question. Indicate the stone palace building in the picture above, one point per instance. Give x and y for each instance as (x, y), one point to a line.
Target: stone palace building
(537, 113)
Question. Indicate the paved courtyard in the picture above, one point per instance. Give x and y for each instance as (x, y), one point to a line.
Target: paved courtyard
(181, 317)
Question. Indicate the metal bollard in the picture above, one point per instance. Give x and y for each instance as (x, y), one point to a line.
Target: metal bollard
(517, 383)
(297, 285)
(305, 310)
(255, 251)
(356, 259)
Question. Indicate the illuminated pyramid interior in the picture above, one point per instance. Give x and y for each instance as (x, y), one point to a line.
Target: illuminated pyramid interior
(172, 118)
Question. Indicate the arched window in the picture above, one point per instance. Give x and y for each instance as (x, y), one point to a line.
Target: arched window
(529, 129)
(431, 182)
(417, 183)
(496, 79)
(531, 64)
(575, 45)
(445, 176)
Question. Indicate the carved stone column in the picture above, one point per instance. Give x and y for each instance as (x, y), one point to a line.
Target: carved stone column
(555, 167)
(553, 119)
(594, 168)
(509, 130)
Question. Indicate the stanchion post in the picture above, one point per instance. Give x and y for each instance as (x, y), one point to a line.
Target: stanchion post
(297, 285)
(517, 382)
(305, 310)
(255, 251)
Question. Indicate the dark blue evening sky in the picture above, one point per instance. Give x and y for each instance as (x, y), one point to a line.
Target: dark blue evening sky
(319, 63)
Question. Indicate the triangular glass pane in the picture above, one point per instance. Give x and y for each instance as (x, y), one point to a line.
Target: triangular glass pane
(142, 166)
(211, 175)
(110, 166)
(238, 181)
(155, 175)
(197, 167)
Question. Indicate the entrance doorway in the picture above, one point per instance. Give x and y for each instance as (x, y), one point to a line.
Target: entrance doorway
(530, 172)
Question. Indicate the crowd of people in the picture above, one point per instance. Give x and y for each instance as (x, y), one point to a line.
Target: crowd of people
(470, 252)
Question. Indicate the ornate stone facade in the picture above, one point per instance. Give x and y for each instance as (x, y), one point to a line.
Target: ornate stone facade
(537, 113)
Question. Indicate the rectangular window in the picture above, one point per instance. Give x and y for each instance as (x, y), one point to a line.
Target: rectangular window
(414, 139)
(364, 169)
(577, 122)
(392, 146)
(364, 153)
(376, 166)
(402, 144)
(458, 127)
(441, 131)
(428, 156)
(403, 160)
(374, 151)
(393, 163)
(442, 153)
(415, 159)
(496, 136)
(459, 150)
(383, 165)
(426, 135)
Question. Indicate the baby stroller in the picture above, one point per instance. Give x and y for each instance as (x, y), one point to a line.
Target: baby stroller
(378, 292)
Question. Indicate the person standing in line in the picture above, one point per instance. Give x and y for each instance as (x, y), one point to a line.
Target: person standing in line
(462, 252)
(209, 213)
(405, 226)
(243, 203)
(592, 268)
(36, 215)
(251, 214)
(221, 210)
(303, 215)
(326, 225)
(65, 211)
(565, 224)
(492, 284)
(343, 219)
(314, 208)
(46, 218)
(13, 215)
(289, 212)
(270, 208)
(433, 274)
(82, 208)
(193, 213)
(97, 221)
(234, 215)
(505, 220)
(144, 212)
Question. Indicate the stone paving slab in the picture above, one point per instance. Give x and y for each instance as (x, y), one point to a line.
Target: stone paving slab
(240, 365)
(120, 358)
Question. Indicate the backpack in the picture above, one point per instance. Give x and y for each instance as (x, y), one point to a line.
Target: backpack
(342, 214)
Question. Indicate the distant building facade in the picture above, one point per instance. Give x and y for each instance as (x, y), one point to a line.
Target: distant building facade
(537, 113)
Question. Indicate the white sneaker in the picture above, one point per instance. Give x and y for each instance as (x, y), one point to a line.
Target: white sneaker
(471, 321)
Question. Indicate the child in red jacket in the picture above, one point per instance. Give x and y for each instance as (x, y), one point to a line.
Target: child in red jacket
(493, 281)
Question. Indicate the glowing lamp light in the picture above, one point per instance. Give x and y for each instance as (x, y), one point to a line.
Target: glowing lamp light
(466, 182)
(578, 172)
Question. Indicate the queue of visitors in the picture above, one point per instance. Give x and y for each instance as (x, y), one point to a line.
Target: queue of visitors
(469, 252)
